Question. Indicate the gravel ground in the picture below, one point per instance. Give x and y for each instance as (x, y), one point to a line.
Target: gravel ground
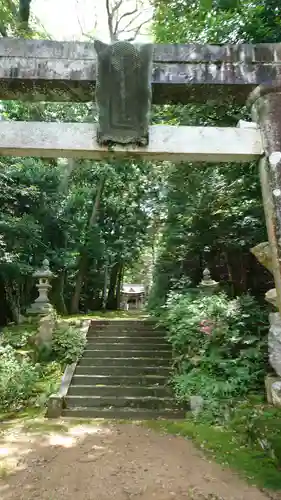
(120, 462)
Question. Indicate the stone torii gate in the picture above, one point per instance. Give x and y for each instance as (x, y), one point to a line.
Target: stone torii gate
(39, 70)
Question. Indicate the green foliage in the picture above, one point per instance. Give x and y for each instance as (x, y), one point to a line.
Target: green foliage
(218, 21)
(68, 344)
(214, 213)
(220, 348)
(29, 373)
(50, 375)
(15, 19)
(229, 446)
(259, 425)
(17, 378)
(47, 212)
(19, 336)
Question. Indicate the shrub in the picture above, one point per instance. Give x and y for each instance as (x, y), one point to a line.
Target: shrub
(48, 383)
(68, 344)
(17, 379)
(18, 336)
(259, 425)
(220, 347)
(34, 373)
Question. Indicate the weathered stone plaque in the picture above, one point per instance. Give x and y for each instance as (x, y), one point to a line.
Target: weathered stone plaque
(123, 92)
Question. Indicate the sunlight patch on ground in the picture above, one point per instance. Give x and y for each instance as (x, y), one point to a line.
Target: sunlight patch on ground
(19, 438)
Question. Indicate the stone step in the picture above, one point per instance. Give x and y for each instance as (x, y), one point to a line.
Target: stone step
(128, 353)
(129, 327)
(140, 380)
(127, 324)
(125, 320)
(124, 361)
(124, 413)
(120, 402)
(127, 339)
(128, 333)
(123, 373)
(103, 369)
(127, 346)
(119, 391)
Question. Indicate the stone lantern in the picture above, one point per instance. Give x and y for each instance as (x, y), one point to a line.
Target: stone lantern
(42, 304)
(207, 284)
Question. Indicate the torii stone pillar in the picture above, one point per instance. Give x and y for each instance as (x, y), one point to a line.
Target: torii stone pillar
(266, 111)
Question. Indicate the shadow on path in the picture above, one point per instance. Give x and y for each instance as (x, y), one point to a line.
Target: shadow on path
(68, 459)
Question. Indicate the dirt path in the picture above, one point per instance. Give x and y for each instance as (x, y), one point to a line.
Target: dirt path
(102, 462)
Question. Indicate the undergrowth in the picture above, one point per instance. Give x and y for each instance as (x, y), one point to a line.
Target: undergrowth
(220, 352)
(28, 373)
(220, 349)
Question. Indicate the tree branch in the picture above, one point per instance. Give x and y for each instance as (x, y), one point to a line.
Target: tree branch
(118, 20)
(87, 35)
(116, 7)
(112, 11)
(114, 21)
(129, 28)
(109, 20)
(137, 31)
(47, 35)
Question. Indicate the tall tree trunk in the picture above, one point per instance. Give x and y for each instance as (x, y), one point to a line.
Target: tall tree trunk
(27, 291)
(228, 266)
(105, 283)
(58, 292)
(111, 297)
(119, 284)
(13, 300)
(82, 263)
(243, 274)
(59, 283)
(5, 313)
(24, 14)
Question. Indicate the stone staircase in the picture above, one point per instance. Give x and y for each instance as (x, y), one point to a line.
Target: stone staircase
(123, 373)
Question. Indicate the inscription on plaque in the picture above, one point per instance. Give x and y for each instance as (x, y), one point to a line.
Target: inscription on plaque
(123, 92)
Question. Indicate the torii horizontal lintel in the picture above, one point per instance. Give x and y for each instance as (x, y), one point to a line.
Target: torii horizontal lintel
(167, 143)
(43, 70)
